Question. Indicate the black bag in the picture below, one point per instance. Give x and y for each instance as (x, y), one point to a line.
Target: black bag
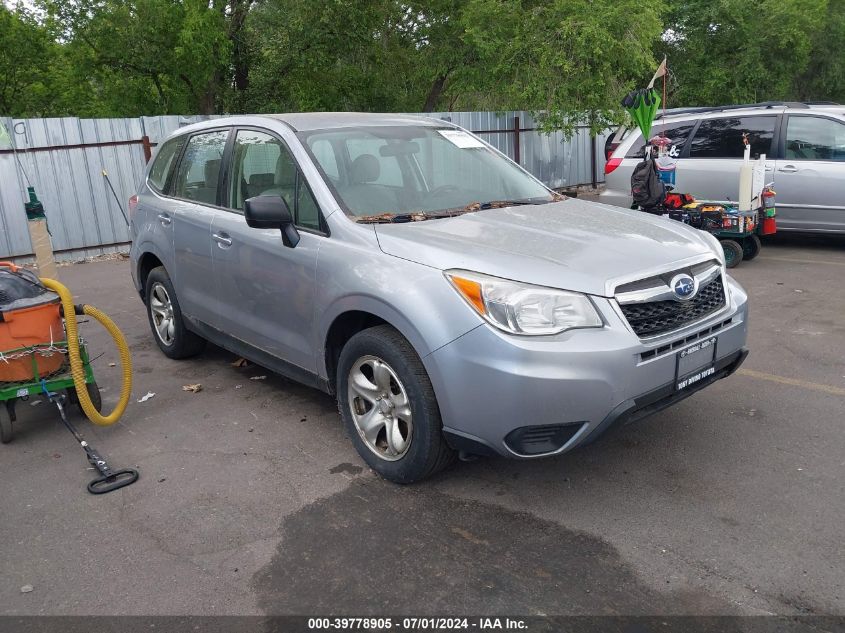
(646, 187)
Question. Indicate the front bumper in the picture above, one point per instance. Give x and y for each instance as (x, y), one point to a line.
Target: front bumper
(569, 388)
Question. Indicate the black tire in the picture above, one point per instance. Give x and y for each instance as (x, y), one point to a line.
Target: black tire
(93, 393)
(184, 343)
(733, 253)
(751, 247)
(7, 433)
(427, 451)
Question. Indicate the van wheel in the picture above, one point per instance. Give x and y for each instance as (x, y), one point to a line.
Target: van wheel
(733, 253)
(388, 406)
(165, 316)
(751, 246)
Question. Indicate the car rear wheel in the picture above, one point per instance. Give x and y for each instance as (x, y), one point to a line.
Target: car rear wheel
(165, 316)
(388, 406)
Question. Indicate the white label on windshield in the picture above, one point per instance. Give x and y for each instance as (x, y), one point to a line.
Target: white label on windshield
(461, 138)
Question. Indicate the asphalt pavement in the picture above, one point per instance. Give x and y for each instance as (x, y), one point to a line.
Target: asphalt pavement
(252, 501)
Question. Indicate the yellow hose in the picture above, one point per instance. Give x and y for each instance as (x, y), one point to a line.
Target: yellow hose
(77, 370)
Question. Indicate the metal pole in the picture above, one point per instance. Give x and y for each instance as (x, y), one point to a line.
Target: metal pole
(516, 140)
(593, 157)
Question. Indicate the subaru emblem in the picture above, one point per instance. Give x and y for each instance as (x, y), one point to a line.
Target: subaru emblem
(684, 287)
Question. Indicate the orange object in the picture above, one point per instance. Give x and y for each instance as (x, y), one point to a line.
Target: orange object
(471, 290)
(27, 322)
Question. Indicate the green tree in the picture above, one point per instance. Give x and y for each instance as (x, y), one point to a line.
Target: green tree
(740, 51)
(824, 77)
(27, 55)
(151, 56)
(570, 60)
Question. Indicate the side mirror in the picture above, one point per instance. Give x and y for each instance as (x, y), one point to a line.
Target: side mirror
(271, 212)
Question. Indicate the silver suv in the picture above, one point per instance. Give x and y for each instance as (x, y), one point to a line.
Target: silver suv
(804, 146)
(451, 302)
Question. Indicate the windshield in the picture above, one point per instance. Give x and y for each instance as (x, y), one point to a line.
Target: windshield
(379, 173)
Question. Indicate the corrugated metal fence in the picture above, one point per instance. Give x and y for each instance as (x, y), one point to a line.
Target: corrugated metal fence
(84, 170)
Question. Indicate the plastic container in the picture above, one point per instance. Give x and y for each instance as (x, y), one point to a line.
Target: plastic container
(29, 316)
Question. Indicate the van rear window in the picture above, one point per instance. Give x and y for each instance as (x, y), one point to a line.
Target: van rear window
(678, 132)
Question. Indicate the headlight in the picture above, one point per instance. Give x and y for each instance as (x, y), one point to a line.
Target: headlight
(522, 308)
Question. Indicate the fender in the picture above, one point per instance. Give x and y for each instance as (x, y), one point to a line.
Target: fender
(146, 247)
(373, 305)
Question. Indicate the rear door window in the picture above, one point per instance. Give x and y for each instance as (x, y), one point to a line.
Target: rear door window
(814, 138)
(678, 132)
(163, 164)
(722, 138)
(199, 169)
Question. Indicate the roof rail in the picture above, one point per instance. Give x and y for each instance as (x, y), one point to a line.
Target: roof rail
(743, 106)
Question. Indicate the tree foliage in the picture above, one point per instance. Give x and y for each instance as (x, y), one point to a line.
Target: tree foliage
(743, 51)
(569, 60)
(26, 56)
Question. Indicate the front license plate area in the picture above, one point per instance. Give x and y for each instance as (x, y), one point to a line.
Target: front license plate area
(695, 363)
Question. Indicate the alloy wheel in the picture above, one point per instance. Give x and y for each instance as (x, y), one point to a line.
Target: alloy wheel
(380, 408)
(161, 308)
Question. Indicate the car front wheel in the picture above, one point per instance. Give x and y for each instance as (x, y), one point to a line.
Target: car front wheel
(389, 408)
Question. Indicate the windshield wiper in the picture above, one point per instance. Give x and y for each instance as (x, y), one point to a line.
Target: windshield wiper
(419, 216)
(496, 204)
(500, 204)
(400, 218)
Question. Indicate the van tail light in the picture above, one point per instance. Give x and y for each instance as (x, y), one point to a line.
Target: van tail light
(610, 149)
(612, 164)
(133, 202)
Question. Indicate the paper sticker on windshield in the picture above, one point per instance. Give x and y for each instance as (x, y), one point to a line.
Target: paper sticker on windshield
(461, 138)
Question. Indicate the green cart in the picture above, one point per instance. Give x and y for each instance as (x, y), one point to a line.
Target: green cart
(58, 380)
(740, 241)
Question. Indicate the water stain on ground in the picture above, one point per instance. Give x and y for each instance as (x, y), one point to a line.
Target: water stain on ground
(375, 548)
(346, 467)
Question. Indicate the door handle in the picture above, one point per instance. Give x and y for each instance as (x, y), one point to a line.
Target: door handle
(788, 169)
(164, 219)
(222, 239)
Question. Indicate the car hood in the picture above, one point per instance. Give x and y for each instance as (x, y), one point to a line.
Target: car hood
(572, 244)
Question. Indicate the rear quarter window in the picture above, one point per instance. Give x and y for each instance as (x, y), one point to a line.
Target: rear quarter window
(678, 132)
(163, 164)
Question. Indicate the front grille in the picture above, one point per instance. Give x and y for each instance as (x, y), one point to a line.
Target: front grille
(659, 317)
(657, 351)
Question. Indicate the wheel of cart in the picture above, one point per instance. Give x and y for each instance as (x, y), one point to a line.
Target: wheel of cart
(733, 252)
(6, 430)
(751, 246)
(93, 392)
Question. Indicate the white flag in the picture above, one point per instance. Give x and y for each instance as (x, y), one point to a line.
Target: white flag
(661, 70)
